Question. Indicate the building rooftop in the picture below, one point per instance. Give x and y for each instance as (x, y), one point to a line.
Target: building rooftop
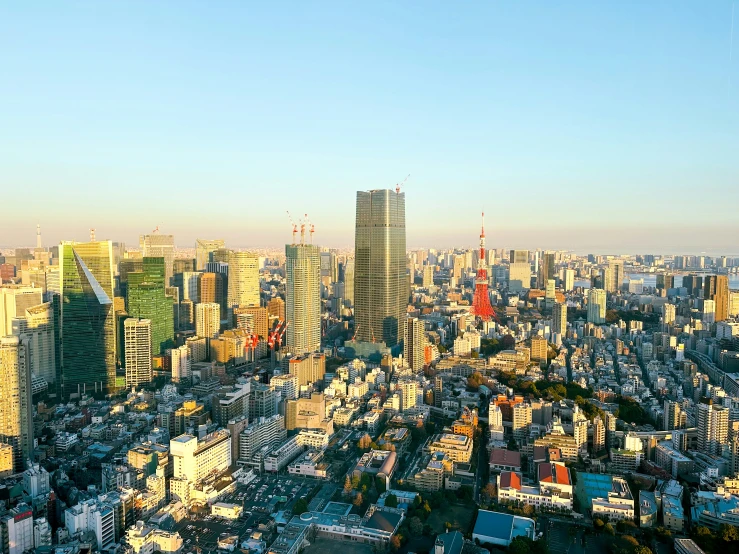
(510, 479)
(502, 526)
(501, 456)
(554, 473)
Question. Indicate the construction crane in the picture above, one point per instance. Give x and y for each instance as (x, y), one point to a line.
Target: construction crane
(311, 227)
(397, 187)
(295, 226)
(356, 330)
(155, 230)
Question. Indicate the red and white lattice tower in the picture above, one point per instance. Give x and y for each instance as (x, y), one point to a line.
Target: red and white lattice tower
(481, 306)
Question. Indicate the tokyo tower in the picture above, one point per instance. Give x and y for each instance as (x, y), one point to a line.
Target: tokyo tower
(481, 306)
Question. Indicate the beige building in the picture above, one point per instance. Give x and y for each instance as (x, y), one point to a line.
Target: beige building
(303, 297)
(207, 320)
(16, 408)
(457, 447)
(14, 301)
(243, 279)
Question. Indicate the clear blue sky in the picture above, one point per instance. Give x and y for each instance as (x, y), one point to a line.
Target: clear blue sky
(584, 125)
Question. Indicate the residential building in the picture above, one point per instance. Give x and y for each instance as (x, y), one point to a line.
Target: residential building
(415, 343)
(596, 306)
(303, 297)
(137, 333)
(16, 407)
(207, 320)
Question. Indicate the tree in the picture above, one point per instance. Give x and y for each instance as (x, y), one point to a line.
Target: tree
(598, 524)
(364, 442)
(416, 526)
(395, 543)
(728, 533)
(641, 549)
(380, 485)
(358, 500)
(301, 506)
(608, 528)
(347, 486)
(391, 501)
(528, 510)
(490, 491)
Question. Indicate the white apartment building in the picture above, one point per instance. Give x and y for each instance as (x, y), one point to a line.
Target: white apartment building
(91, 515)
(208, 319)
(193, 460)
(180, 363)
(137, 340)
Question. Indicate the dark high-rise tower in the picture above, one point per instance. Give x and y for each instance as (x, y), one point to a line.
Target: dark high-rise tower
(87, 315)
(380, 280)
(716, 288)
(147, 299)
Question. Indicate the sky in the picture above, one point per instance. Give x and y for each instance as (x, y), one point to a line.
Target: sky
(588, 126)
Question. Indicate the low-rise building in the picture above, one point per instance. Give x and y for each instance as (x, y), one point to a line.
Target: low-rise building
(457, 447)
(226, 510)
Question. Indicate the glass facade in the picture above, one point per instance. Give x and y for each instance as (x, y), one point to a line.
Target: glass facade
(87, 330)
(380, 280)
(147, 299)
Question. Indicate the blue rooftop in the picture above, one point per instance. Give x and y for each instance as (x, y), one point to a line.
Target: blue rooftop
(494, 524)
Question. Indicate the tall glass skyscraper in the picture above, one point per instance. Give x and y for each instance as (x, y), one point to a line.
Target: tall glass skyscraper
(147, 299)
(303, 297)
(380, 281)
(87, 315)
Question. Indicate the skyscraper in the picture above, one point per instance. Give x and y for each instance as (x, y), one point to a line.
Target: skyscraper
(137, 339)
(380, 281)
(16, 409)
(597, 306)
(349, 282)
(414, 343)
(559, 318)
(614, 276)
(716, 288)
(147, 299)
(207, 320)
(303, 297)
(39, 325)
(519, 271)
(87, 315)
(14, 301)
(569, 279)
(159, 246)
(243, 279)
(204, 249)
(546, 271)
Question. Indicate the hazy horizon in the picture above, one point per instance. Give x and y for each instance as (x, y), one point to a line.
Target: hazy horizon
(603, 128)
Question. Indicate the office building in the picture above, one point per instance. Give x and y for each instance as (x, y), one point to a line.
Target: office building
(569, 279)
(207, 320)
(380, 279)
(408, 393)
(428, 276)
(276, 308)
(16, 530)
(559, 318)
(137, 341)
(204, 249)
(87, 315)
(147, 299)
(716, 288)
(14, 301)
(308, 368)
(159, 246)
(668, 314)
(597, 306)
(38, 324)
(243, 279)
(16, 408)
(415, 344)
(303, 297)
(194, 459)
(614, 276)
(180, 363)
(546, 271)
(349, 282)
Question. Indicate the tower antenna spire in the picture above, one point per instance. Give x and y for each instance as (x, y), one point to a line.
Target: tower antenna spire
(38, 236)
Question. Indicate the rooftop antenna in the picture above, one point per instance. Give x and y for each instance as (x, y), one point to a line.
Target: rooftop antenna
(38, 236)
(92, 235)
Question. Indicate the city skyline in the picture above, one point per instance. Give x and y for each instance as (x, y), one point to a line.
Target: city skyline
(584, 108)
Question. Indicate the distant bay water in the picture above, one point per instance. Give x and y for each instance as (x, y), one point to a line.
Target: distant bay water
(650, 280)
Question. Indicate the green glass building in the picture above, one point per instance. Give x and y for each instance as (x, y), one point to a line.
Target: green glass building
(87, 318)
(147, 299)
